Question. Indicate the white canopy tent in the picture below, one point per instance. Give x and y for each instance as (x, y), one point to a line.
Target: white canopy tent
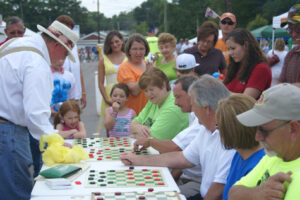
(276, 24)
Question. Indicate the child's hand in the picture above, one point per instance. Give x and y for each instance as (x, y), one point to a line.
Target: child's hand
(115, 106)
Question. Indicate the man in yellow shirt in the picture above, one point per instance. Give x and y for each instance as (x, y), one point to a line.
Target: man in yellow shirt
(277, 175)
(227, 23)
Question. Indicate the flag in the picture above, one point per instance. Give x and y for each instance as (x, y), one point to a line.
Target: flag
(210, 13)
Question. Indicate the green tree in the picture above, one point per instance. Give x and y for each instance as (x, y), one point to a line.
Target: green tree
(257, 22)
(142, 28)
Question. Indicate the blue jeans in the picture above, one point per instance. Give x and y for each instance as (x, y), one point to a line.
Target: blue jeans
(36, 155)
(15, 160)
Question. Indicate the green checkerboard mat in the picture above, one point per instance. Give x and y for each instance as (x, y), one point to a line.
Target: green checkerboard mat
(135, 195)
(125, 178)
(88, 143)
(108, 154)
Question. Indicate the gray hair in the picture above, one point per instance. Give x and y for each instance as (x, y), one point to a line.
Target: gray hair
(13, 20)
(208, 91)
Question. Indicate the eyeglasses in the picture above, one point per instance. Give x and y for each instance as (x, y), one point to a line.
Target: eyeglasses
(293, 29)
(227, 22)
(16, 32)
(265, 133)
(137, 49)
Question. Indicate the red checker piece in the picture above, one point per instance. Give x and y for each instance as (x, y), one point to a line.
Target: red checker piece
(100, 198)
(99, 158)
(154, 171)
(107, 148)
(150, 189)
(144, 170)
(157, 179)
(147, 177)
(108, 157)
(118, 193)
(97, 193)
(160, 183)
(142, 184)
(91, 156)
(77, 182)
(128, 170)
(130, 174)
(155, 175)
(142, 197)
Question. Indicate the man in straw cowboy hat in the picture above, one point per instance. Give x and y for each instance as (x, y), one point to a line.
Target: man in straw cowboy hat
(25, 88)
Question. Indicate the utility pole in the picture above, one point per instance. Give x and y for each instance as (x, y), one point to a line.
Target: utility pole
(98, 21)
(165, 16)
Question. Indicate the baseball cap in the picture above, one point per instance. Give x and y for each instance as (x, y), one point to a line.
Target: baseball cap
(293, 16)
(280, 102)
(228, 15)
(185, 61)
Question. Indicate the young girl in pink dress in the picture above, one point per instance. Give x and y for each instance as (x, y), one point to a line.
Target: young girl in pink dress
(117, 118)
(67, 121)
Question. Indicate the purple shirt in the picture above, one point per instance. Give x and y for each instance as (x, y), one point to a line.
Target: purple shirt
(212, 62)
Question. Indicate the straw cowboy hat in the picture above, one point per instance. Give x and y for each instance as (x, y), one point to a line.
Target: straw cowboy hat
(62, 34)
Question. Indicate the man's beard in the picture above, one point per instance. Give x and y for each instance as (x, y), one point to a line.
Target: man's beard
(270, 153)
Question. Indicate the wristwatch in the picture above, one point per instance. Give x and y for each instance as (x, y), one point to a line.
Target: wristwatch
(148, 140)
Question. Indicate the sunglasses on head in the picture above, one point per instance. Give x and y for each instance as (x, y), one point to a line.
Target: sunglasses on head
(227, 22)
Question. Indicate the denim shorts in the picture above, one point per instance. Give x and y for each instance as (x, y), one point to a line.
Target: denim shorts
(15, 159)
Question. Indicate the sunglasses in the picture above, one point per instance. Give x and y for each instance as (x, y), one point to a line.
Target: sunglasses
(265, 133)
(227, 22)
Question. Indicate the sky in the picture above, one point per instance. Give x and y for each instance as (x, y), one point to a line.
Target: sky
(111, 7)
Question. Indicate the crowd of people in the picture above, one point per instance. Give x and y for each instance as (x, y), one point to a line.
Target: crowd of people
(231, 138)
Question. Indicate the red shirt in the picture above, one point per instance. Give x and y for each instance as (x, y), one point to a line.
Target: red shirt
(260, 78)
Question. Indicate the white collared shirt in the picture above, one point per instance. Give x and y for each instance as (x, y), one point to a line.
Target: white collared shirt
(26, 85)
(183, 140)
(207, 150)
(74, 68)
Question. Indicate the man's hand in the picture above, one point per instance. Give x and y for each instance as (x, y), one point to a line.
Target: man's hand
(144, 142)
(144, 131)
(274, 187)
(127, 158)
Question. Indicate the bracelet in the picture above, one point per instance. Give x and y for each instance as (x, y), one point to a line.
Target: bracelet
(114, 114)
(148, 141)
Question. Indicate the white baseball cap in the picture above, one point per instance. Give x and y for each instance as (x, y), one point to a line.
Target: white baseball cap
(185, 61)
(280, 102)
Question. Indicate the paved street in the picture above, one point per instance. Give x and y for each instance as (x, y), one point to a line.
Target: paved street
(89, 115)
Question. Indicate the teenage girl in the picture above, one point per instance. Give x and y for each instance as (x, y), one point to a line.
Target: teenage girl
(67, 121)
(117, 118)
